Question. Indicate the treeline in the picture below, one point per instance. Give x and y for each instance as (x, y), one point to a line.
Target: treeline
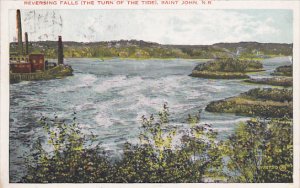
(142, 49)
(258, 151)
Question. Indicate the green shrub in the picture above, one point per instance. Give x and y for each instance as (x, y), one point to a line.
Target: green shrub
(261, 152)
(71, 158)
(161, 159)
(157, 158)
(165, 154)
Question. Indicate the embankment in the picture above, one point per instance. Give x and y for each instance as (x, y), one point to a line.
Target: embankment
(54, 73)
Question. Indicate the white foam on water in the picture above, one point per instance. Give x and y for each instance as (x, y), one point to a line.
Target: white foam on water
(155, 103)
(108, 112)
(23, 83)
(117, 82)
(221, 129)
(132, 90)
(176, 106)
(194, 94)
(85, 106)
(82, 82)
(218, 87)
(89, 79)
(168, 84)
(103, 119)
(233, 121)
(139, 115)
(84, 126)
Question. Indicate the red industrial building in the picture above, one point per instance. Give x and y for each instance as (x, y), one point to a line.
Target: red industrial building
(27, 64)
(24, 62)
(37, 62)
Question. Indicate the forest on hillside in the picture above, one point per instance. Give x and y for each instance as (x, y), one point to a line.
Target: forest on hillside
(142, 49)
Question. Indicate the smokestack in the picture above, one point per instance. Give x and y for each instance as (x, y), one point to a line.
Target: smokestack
(26, 43)
(60, 53)
(19, 32)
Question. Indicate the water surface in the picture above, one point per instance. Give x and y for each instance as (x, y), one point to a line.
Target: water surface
(110, 97)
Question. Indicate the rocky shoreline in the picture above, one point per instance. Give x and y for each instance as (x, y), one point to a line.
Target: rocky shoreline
(219, 75)
(228, 68)
(59, 71)
(274, 81)
(266, 102)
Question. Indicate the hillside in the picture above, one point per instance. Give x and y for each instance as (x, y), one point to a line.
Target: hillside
(143, 49)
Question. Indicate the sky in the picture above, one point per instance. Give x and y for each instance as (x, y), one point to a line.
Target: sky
(194, 27)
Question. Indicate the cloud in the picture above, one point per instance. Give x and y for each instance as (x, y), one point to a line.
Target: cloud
(162, 26)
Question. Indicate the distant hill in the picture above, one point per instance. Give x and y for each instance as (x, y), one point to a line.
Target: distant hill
(143, 49)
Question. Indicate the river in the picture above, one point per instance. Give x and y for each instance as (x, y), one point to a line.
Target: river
(109, 98)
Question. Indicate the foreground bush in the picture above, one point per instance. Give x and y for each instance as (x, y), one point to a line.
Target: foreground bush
(160, 158)
(166, 155)
(72, 159)
(261, 152)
